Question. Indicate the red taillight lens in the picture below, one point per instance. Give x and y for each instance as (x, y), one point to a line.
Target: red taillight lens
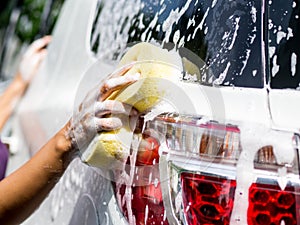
(269, 205)
(146, 205)
(146, 199)
(207, 199)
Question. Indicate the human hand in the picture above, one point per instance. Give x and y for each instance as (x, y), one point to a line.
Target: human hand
(32, 58)
(96, 113)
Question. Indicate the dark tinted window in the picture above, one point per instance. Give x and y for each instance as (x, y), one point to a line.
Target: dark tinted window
(227, 35)
(284, 43)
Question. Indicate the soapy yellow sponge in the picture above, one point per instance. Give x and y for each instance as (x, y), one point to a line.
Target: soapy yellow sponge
(160, 66)
(109, 148)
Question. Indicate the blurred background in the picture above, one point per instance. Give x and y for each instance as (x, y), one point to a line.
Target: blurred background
(21, 22)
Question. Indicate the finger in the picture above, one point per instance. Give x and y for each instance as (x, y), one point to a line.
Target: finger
(42, 54)
(113, 107)
(107, 124)
(38, 57)
(122, 71)
(117, 83)
(41, 43)
(37, 45)
(36, 60)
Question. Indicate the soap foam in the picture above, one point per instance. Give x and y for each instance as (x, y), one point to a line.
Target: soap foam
(253, 137)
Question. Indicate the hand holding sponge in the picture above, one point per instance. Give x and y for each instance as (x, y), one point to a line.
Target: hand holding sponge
(157, 67)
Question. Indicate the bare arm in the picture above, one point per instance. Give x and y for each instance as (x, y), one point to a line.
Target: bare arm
(10, 97)
(28, 67)
(25, 189)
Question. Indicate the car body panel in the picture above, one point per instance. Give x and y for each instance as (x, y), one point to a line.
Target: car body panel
(285, 108)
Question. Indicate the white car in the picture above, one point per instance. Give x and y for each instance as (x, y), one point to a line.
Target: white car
(234, 161)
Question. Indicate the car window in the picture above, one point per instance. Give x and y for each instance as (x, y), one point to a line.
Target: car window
(284, 45)
(226, 35)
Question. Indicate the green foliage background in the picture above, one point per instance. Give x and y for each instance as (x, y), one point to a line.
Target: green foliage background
(29, 23)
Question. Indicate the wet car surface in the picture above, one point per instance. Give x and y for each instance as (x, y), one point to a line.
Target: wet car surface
(247, 50)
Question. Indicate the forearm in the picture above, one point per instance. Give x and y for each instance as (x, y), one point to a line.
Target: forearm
(27, 69)
(10, 98)
(24, 190)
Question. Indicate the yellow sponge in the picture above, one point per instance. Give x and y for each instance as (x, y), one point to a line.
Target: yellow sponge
(107, 148)
(156, 66)
(159, 66)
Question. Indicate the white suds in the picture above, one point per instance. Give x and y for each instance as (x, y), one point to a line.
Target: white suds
(275, 67)
(293, 63)
(254, 137)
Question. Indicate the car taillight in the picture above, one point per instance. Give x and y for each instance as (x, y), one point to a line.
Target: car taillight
(146, 203)
(202, 183)
(194, 166)
(207, 199)
(269, 205)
